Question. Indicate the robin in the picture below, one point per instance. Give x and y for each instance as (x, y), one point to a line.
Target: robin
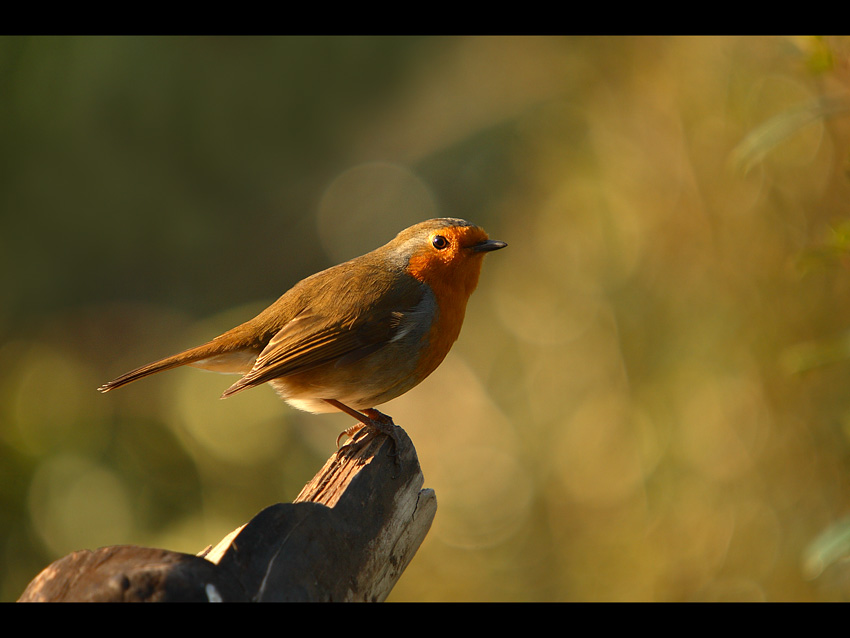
(358, 334)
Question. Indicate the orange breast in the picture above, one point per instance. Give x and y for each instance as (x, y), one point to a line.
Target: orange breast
(452, 275)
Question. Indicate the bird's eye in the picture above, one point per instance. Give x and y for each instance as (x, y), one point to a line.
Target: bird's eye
(439, 242)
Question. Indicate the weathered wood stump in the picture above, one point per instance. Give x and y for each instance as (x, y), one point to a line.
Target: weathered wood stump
(348, 536)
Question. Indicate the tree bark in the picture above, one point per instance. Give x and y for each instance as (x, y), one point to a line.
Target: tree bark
(348, 536)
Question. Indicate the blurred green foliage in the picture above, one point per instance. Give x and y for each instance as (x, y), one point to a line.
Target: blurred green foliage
(649, 400)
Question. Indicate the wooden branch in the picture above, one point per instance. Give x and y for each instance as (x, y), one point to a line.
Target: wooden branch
(348, 536)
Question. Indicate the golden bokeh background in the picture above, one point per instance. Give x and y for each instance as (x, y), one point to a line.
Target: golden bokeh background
(650, 399)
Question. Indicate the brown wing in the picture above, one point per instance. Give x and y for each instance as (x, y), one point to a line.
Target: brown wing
(348, 316)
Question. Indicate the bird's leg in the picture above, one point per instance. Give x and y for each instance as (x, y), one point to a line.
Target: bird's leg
(370, 418)
(362, 419)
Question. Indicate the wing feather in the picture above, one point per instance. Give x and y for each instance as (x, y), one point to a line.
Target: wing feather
(336, 324)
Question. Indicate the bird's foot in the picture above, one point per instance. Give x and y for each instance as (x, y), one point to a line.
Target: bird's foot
(370, 422)
(375, 423)
(349, 432)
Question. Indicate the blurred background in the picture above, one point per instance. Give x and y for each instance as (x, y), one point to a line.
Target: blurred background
(650, 399)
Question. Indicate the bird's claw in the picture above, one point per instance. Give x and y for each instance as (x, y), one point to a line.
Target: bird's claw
(349, 432)
(370, 420)
(376, 426)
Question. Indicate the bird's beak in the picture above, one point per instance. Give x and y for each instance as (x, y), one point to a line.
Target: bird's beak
(488, 245)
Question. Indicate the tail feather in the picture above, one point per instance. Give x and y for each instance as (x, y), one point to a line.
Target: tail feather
(186, 357)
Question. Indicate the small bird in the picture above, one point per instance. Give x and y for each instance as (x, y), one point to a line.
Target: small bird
(358, 334)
